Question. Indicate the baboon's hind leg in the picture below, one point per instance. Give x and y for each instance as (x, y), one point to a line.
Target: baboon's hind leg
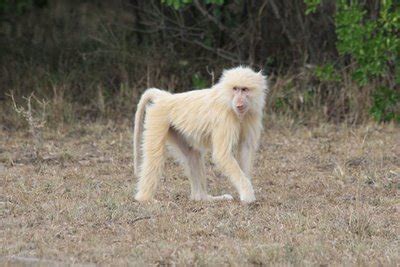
(154, 143)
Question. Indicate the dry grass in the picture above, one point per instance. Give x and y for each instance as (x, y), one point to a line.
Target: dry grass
(326, 195)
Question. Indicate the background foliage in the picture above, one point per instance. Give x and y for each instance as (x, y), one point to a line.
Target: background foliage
(327, 60)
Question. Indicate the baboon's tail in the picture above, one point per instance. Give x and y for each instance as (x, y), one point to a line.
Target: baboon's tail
(148, 95)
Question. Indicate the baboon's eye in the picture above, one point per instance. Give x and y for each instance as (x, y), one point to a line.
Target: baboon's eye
(245, 89)
(235, 88)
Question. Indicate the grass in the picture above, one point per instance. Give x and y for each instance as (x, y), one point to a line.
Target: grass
(327, 194)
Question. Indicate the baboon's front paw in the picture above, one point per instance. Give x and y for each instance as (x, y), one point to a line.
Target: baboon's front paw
(227, 197)
(248, 198)
(142, 198)
(221, 197)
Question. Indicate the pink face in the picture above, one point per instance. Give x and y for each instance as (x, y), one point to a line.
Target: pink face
(241, 100)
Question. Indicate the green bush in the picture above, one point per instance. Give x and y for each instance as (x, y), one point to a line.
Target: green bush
(385, 105)
(373, 46)
(327, 73)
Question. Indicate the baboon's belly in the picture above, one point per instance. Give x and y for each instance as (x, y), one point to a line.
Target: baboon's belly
(199, 142)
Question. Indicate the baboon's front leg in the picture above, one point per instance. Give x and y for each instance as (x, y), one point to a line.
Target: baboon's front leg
(231, 168)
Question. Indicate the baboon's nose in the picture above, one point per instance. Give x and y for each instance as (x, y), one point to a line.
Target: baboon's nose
(240, 107)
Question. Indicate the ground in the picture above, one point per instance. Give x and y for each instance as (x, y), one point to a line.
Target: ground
(326, 194)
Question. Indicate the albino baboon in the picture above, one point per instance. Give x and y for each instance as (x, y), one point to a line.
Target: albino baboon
(226, 118)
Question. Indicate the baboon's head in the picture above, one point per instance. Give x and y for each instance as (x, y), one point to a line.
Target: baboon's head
(244, 88)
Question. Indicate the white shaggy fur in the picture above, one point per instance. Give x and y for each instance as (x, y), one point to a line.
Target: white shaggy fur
(226, 118)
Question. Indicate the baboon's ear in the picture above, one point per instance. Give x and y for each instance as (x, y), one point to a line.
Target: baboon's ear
(264, 76)
(223, 74)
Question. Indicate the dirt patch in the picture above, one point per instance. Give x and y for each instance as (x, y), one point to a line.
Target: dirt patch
(325, 195)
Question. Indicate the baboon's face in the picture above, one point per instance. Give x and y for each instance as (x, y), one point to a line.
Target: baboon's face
(241, 100)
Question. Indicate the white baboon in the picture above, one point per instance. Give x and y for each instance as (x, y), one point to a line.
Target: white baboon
(226, 118)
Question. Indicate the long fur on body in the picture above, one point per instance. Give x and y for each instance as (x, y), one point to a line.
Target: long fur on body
(205, 119)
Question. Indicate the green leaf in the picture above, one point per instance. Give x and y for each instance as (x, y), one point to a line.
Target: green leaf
(311, 5)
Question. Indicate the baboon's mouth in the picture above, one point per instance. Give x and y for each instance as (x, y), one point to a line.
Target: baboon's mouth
(241, 109)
